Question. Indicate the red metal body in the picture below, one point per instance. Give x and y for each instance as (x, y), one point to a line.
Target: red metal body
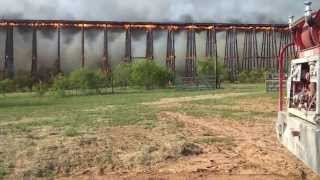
(281, 74)
(306, 37)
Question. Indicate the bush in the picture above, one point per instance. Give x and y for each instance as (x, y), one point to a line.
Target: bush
(122, 75)
(60, 84)
(3, 86)
(255, 76)
(244, 77)
(7, 85)
(40, 88)
(3, 172)
(85, 79)
(206, 67)
(71, 132)
(162, 77)
(222, 71)
(149, 75)
(23, 81)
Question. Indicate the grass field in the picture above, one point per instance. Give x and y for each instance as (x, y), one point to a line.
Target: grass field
(20, 113)
(113, 132)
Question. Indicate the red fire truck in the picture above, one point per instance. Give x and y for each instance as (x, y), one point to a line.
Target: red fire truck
(298, 125)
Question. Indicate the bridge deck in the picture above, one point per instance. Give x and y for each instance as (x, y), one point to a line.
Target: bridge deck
(139, 25)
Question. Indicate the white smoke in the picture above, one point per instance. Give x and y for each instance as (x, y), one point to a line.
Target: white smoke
(241, 11)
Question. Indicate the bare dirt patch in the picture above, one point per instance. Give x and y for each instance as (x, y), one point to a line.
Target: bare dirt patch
(175, 101)
(115, 150)
(255, 151)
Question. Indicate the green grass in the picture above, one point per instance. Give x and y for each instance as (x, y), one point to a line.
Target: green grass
(71, 132)
(228, 107)
(3, 173)
(31, 122)
(215, 140)
(23, 112)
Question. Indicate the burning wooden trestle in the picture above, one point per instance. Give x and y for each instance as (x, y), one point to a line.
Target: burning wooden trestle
(251, 57)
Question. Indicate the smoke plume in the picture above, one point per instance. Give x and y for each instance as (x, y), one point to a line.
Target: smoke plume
(244, 11)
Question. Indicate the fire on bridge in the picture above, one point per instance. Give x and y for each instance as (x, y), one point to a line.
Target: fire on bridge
(252, 57)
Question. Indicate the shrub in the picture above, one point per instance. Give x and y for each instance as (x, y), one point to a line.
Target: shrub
(86, 79)
(3, 172)
(23, 81)
(60, 84)
(244, 77)
(40, 88)
(122, 74)
(71, 132)
(254, 76)
(162, 77)
(7, 85)
(206, 67)
(148, 74)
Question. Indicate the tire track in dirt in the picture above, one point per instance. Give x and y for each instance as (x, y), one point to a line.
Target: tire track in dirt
(256, 150)
(165, 101)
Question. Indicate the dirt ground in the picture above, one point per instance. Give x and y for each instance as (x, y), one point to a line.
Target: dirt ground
(254, 152)
(220, 149)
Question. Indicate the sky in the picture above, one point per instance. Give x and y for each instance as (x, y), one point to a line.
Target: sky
(235, 11)
(252, 11)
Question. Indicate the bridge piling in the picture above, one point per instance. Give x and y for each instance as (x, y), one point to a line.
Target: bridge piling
(128, 50)
(231, 58)
(34, 61)
(269, 50)
(171, 56)
(57, 64)
(191, 55)
(212, 50)
(149, 45)
(105, 59)
(9, 54)
(82, 48)
(250, 51)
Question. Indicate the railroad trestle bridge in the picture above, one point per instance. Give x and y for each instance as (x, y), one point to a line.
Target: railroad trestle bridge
(255, 54)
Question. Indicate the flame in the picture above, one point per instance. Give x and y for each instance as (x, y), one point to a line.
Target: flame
(148, 27)
(172, 28)
(191, 27)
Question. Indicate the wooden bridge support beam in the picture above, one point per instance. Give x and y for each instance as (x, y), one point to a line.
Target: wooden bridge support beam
(269, 50)
(105, 59)
(106, 68)
(128, 50)
(250, 51)
(171, 55)
(82, 48)
(149, 45)
(212, 51)
(34, 60)
(191, 55)
(231, 58)
(57, 63)
(9, 54)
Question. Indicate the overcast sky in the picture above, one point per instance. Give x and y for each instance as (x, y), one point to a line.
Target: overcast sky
(241, 11)
(255, 11)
